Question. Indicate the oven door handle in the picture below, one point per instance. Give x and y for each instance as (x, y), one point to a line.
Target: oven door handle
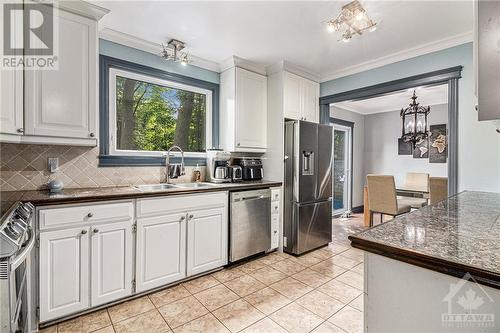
(27, 249)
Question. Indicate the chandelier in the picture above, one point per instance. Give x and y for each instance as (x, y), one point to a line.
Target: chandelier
(414, 122)
(173, 51)
(353, 19)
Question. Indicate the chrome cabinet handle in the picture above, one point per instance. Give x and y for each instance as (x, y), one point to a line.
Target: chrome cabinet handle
(183, 218)
(84, 232)
(191, 216)
(90, 215)
(96, 231)
(92, 135)
(20, 130)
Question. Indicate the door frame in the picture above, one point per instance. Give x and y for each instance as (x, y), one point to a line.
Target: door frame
(350, 124)
(449, 76)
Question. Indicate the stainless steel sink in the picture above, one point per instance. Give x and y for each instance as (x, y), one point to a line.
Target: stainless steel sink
(195, 185)
(155, 187)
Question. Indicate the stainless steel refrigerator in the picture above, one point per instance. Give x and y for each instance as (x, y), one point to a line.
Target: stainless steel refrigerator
(308, 186)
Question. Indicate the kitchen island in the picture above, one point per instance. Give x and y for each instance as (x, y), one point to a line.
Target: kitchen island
(436, 269)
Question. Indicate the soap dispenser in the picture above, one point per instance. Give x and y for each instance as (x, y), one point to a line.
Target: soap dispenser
(197, 174)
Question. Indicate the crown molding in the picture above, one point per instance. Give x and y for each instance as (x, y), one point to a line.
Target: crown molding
(235, 61)
(402, 55)
(287, 66)
(79, 7)
(151, 47)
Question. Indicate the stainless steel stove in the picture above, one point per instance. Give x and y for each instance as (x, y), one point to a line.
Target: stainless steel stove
(17, 238)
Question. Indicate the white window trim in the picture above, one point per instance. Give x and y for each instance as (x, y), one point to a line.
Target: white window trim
(113, 73)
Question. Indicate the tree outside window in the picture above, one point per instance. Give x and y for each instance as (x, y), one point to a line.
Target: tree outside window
(152, 117)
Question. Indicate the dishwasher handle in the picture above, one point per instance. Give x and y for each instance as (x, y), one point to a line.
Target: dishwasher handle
(255, 197)
(250, 195)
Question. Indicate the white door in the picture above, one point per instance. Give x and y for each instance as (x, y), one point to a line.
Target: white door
(251, 110)
(111, 268)
(207, 244)
(310, 100)
(342, 164)
(64, 272)
(292, 96)
(62, 102)
(161, 250)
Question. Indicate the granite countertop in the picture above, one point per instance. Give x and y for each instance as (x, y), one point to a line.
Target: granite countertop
(456, 236)
(43, 197)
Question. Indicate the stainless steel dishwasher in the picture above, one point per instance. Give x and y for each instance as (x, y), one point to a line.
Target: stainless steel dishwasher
(250, 223)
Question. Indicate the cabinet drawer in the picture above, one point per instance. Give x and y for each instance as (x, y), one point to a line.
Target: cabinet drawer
(275, 207)
(275, 194)
(275, 222)
(162, 205)
(52, 217)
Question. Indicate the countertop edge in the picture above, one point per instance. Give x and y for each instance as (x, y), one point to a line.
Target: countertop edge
(485, 277)
(138, 194)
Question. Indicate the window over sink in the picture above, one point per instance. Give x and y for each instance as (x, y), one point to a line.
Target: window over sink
(146, 111)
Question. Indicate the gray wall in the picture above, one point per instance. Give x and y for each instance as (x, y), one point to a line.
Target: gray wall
(381, 146)
(375, 147)
(358, 161)
(478, 142)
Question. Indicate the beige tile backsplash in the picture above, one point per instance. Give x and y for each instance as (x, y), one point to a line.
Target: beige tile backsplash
(25, 167)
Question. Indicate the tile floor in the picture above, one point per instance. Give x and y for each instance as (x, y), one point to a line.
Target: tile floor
(318, 292)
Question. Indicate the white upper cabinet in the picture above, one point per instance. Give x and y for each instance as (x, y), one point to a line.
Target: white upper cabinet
(11, 102)
(301, 98)
(487, 52)
(63, 102)
(292, 100)
(243, 110)
(59, 105)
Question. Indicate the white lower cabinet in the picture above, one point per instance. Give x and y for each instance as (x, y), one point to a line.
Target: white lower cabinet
(161, 250)
(64, 272)
(207, 240)
(275, 217)
(87, 252)
(111, 269)
(86, 265)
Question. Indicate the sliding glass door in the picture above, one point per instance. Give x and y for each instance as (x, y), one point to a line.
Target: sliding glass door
(342, 162)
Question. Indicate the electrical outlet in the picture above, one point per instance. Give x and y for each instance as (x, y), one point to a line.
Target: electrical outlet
(53, 164)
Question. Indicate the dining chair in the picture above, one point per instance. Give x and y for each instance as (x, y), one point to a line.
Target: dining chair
(417, 180)
(382, 197)
(438, 189)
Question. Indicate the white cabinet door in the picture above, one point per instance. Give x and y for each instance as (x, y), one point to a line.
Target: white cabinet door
(64, 272)
(111, 261)
(11, 91)
(292, 96)
(160, 251)
(310, 100)
(251, 110)
(11, 101)
(275, 223)
(62, 102)
(207, 245)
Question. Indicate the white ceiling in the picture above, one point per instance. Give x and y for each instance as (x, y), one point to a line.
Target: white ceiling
(426, 96)
(269, 31)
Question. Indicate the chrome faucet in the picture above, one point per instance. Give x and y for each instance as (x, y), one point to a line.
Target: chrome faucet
(175, 171)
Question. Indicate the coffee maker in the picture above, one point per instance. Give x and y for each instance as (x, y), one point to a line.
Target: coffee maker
(218, 166)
